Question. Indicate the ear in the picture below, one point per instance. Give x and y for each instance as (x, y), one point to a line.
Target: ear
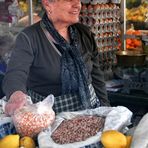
(46, 4)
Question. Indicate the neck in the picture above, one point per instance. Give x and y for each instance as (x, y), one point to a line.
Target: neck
(62, 30)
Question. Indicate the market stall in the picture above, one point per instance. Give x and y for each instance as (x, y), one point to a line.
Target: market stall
(121, 33)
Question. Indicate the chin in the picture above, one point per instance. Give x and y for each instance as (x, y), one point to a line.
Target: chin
(75, 21)
(72, 21)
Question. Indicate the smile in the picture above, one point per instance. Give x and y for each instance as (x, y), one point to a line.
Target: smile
(75, 12)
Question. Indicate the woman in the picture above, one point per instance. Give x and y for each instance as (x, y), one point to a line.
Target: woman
(56, 56)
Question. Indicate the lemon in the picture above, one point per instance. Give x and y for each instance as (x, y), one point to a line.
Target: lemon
(10, 141)
(113, 139)
(129, 140)
(27, 142)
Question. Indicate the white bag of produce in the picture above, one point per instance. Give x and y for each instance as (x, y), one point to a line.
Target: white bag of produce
(116, 118)
(33, 118)
(140, 137)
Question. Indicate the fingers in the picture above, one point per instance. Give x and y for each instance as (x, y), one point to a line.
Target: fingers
(10, 108)
(17, 100)
(17, 96)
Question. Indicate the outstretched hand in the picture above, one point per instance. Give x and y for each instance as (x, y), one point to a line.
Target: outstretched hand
(17, 100)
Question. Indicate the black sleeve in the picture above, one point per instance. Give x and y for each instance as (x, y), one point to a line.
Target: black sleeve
(98, 77)
(18, 67)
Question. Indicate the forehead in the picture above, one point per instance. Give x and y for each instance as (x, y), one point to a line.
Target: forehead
(56, 0)
(62, 0)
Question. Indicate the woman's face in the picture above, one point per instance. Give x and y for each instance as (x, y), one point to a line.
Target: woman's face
(65, 11)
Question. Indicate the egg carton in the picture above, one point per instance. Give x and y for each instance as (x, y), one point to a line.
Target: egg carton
(94, 2)
(89, 8)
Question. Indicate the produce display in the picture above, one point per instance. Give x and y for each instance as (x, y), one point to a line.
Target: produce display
(137, 13)
(24, 6)
(84, 127)
(133, 40)
(77, 129)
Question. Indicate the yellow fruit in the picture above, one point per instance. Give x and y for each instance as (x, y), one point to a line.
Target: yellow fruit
(27, 142)
(10, 141)
(113, 139)
(129, 140)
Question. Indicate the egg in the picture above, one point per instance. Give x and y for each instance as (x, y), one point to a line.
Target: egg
(90, 8)
(96, 7)
(84, 8)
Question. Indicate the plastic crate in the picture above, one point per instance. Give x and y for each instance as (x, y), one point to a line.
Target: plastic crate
(135, 85)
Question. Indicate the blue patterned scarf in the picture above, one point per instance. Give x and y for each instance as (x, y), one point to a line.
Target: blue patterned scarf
(74, 75)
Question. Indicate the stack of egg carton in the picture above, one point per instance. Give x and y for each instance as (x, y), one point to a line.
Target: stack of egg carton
(103, 17)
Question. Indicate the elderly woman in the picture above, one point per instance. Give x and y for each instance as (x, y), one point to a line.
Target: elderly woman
(58, 56)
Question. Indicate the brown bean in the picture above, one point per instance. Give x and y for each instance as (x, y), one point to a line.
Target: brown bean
(30, 123)
(77, 129)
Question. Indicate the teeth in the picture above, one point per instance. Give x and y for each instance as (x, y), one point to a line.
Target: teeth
(76, 12)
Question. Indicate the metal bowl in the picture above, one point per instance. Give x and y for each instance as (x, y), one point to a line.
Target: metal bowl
(130, 58)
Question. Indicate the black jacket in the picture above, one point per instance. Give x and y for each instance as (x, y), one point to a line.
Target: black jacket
(35, 64)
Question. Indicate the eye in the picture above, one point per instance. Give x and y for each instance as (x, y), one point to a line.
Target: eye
(68, 0)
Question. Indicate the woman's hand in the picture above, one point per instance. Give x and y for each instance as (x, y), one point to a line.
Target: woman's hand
(17, 100)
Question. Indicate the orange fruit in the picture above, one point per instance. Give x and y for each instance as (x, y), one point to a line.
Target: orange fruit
(113, 139)
(27, 142)
(129, 141)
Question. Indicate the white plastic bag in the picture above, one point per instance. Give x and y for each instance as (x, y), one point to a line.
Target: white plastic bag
(33, 118)
(6, 124)
(117, 118)
(140, 137)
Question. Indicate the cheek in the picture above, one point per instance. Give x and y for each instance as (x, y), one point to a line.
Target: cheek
(66, 16)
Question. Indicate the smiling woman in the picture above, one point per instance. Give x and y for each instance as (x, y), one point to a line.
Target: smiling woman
(58, 56)
(67, 14)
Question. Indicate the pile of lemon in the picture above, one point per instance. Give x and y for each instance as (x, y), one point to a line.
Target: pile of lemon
(14, 141)
(23, 5)
(115, 139)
